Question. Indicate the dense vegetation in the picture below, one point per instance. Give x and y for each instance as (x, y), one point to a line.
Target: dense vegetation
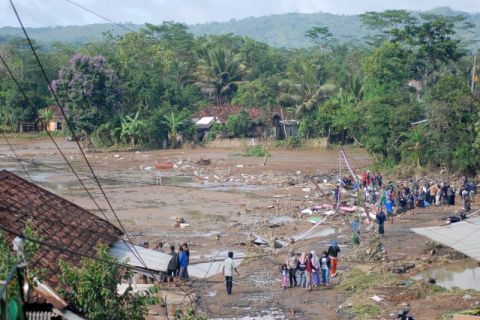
(142, 88)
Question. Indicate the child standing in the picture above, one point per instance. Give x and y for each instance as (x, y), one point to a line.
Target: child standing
(284, 276)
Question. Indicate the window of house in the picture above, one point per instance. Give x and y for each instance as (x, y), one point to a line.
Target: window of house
(59, 125)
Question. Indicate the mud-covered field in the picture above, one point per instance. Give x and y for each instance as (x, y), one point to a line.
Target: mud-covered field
(233, 196)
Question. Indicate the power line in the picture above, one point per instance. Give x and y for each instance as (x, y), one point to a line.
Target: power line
(100, 16)
(16, 156)
(70, 126)
(61, 248)
(3, 133)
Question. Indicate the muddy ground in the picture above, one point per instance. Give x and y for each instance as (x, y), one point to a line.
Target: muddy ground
(233, 196)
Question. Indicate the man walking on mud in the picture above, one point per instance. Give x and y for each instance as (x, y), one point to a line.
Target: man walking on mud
(228, 268)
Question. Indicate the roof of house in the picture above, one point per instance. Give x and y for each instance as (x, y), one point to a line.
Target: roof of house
(205, 122)
(55, 220)
(57, 112)
(462, 236)
(224, 111)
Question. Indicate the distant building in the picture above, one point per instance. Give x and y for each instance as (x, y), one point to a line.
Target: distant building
(264, 123)
(58, 122)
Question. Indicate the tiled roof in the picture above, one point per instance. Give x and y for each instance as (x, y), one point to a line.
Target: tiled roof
(55, 220)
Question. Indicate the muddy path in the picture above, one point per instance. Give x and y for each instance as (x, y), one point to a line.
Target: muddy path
(233, 196)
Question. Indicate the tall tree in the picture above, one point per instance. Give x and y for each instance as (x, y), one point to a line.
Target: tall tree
(219, 73)
(90, 90)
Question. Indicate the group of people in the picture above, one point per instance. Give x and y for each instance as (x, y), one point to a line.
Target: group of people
(409, 195)
(312, 270)
(178, 265)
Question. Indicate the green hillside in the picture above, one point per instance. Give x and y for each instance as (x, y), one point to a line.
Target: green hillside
(284, 30)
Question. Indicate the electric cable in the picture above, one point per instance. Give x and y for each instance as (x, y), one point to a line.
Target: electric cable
(70, 126)
(100, 16)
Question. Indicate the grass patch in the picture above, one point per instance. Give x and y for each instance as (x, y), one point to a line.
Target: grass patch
(366, 311)
(258, 150)
(356, 280)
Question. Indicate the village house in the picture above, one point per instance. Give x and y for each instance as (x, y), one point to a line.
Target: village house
(264, 124)
(57, 122)
(61, 223)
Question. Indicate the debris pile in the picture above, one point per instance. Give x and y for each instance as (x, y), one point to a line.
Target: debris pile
(400, 267)
(370, 249)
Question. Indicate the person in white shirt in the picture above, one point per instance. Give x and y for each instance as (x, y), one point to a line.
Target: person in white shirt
(228, 268)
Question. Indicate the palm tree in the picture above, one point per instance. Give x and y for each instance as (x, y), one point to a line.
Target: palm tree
(304, 88)
(413, 143)
(131, 128)
(219, 73)
(46, 115)
(173, 123)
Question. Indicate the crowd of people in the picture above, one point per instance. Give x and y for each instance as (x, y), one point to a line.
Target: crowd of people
(312, 271)
(391, 199)
(411, 194)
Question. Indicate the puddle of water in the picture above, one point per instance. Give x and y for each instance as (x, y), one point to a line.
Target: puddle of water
(176, 180)
(464, 275)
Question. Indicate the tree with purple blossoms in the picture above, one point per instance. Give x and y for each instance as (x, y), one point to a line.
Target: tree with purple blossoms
(89, 90)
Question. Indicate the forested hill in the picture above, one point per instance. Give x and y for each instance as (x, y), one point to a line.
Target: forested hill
(288, 30)
(284, 30)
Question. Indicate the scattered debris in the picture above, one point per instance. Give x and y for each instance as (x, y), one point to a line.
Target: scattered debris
(401, 267)
(204, 162)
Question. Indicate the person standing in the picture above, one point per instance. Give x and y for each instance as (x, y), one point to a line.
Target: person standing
(292, 263)
(308, 272)
(381, 222)
(316, 270)
(337, 195)
(438, 194)
(389, 208)
(183, 261)
(325, 267)
(187, 253)
(284, 276)
(356, 230)
(333, 252)
(301, 269)
(228, 268)
(173, 266)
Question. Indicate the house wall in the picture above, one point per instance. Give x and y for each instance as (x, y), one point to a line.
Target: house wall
(320, 143)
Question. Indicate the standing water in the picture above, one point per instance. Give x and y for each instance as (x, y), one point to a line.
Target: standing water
(464, 275)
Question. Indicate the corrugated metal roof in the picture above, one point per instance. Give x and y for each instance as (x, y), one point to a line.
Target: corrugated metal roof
(158, 261)
(154, 260)
(462, 236)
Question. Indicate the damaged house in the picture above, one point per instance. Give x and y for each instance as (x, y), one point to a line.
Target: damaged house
(61, 223)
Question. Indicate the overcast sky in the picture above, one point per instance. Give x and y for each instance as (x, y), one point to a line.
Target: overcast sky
(43, 13)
